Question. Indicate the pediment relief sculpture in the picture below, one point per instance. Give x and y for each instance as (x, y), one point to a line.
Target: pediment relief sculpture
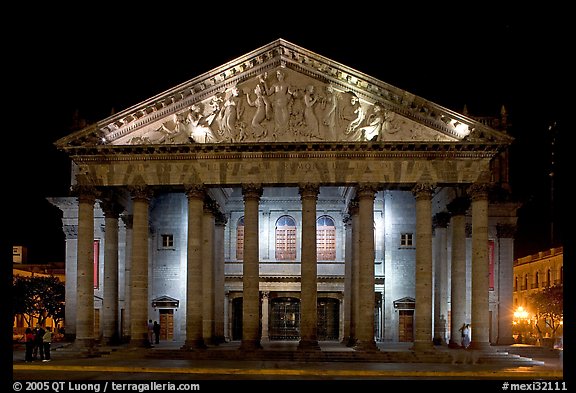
(283, 106)
(282, 93)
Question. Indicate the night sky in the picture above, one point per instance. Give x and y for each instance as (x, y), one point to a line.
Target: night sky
(93, 64)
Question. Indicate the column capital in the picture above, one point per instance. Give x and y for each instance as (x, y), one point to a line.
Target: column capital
(197, 191)
(308, 190)
(140, 192)
(111, 207)
(353, 207)
(366, 190)
(252, 191)
(85, 193)
(423, 190)
(479, 191)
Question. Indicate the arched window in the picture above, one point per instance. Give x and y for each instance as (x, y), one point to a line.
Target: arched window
(548, 278)
(240, 239)
(525, 282)
(285, 239)
(325, 239)
(536, 280)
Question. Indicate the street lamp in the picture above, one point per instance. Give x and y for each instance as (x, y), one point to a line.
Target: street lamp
(522, 324)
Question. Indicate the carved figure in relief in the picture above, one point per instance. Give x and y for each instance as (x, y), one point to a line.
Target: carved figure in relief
(230, 114)
(282, 92)
(374, 124)
(329, 104)
(198, 123)
(263, 110)
(309, 117)
(174, 130)
(350, 116)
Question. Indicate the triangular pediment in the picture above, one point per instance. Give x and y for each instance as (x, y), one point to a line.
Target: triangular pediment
(282, 93)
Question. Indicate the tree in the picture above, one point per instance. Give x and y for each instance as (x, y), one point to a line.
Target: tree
(548, 305)
(38, 297)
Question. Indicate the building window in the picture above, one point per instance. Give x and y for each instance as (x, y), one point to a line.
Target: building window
(285, 239)
(536, 280)
(406, 240)
(325, 239)
(167, 240)
(240, 239)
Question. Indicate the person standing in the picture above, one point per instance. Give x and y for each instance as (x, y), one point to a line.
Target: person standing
(39, 342)
(150, 332)
(47, 342)
(156, 332)
(30, 339)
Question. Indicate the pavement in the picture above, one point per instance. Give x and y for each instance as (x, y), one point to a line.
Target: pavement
(167, 361)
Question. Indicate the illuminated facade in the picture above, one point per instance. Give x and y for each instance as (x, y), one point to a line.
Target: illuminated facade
(537, 271)
(285, 196)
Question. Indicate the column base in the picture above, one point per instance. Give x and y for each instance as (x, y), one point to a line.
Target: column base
(422, 346)
(192, 345)
(218, 340)
(366, 346)
(482, 345)
(86, 347)
(139, 343)
(349, 341)
(308, 345)
(250, 345)
(453, 344)
(506, 341)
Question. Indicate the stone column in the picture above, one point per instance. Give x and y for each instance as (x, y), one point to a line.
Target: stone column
(85, 269)
(355, 292)
(265, 315)
(440, 222)
(505, 234)
(208, 272)
(347, 295)
(309, 270)
(110, 314)
(480, 326)
(457, 209)
(219, 279)
(365, 322)
(194, 285)
(128, 222)
(139, 269)
(251, 271)
(423, 309)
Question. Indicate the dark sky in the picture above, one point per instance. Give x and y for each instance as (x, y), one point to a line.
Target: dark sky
(94, 62)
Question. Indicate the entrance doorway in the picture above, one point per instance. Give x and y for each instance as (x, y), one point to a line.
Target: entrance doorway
(284, 319)
(166, 324)
(328, 326)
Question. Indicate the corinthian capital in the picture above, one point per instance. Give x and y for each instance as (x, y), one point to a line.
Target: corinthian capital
(140, 192)
(195, 191)
(479, 191)
(309, 190)
(252, 191)
(423, 190)
(85, 193)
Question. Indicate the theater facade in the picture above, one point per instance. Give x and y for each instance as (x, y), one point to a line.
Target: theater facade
(286, 196)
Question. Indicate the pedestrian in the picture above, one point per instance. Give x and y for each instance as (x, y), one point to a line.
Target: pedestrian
(150, 332)
(156, 332)
(47, 342)
(39, 342)
(465, 335)
(30, 340)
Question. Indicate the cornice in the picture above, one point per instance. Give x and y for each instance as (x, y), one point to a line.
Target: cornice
(421, 150)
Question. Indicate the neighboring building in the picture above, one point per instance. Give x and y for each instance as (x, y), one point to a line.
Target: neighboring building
(533, 273)
(285, 196)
